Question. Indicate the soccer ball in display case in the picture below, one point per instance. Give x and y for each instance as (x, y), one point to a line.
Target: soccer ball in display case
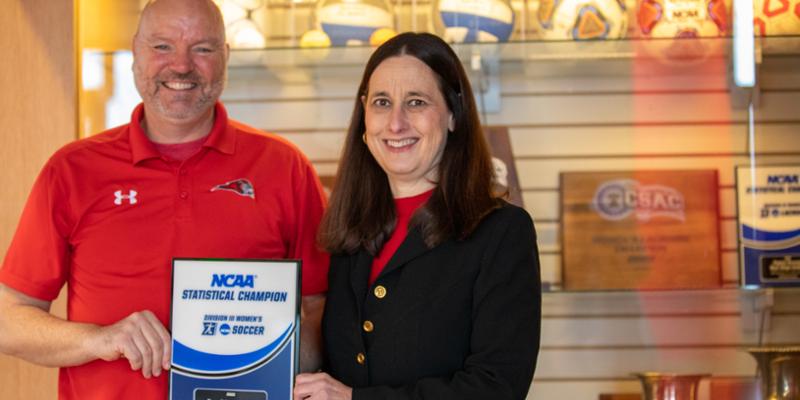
(776, 17)
(685, 20)
(682, 18)
(582, 19)
(352, 22)
(468, 21)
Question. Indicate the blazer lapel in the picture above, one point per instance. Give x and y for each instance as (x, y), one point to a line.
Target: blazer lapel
(360, 267)
(412, 247)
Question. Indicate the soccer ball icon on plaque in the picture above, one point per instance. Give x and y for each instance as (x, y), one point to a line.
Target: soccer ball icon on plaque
(686, 21)
(582, 19)
(776, 17)
(470, 21)
(353, 22)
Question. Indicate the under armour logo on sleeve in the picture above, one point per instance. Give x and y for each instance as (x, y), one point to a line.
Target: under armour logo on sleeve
(119, 197)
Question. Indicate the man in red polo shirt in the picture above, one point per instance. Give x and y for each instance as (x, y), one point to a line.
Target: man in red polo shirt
(108, 213)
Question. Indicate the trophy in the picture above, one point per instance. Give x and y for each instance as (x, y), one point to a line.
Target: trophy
(778, 372)
(658, 386)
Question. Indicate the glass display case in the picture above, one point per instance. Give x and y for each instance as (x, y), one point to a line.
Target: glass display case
(619, 105)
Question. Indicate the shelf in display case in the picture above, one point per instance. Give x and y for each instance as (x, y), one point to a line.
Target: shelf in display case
(752, 305)
(528, 51)
(779, 45)
(701, 58)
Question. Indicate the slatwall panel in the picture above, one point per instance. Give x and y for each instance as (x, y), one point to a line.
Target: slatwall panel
(575, 117)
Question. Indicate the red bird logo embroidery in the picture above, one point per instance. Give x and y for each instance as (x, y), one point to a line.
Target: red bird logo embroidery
(242, 187)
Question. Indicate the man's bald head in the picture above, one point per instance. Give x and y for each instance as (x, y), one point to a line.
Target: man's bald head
(204, 9)
(180, 61)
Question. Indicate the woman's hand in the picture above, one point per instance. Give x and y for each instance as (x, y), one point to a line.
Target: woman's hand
(320, 386)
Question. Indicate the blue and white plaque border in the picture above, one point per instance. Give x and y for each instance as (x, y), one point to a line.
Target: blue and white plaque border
(768, 205)
(235, 328)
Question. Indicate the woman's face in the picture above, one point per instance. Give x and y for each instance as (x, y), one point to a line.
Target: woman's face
(407, 121)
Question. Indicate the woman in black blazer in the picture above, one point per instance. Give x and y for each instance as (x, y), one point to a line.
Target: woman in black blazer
(434, 289)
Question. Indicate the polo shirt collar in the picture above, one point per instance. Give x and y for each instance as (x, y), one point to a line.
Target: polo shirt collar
(223, 134)
(222, 137)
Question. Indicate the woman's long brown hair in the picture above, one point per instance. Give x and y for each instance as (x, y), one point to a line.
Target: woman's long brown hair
(361, 212)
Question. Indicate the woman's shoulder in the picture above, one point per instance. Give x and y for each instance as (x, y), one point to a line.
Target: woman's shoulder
(507, 212)
(505, 218)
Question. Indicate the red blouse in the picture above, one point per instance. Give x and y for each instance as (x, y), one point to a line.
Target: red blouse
(405, 207)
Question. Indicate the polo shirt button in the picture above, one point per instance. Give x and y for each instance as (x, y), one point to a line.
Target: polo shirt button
(379, 292)
(184, 195)
(368, 326)
(361, 358)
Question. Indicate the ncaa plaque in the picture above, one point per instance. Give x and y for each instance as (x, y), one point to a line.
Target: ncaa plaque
(768, 202)
(235, 329)
(640, 230)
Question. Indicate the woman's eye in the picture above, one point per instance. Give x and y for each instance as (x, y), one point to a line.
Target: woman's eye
(161, 47)
(416, 103)
(381, 102)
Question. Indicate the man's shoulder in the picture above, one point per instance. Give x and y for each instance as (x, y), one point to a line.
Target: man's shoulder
(95, 144)
(253, 139)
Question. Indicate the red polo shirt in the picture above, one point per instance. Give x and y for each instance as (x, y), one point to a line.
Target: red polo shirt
(108, 213)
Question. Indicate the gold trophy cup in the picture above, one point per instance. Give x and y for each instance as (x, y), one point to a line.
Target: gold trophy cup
(778, 372)
(661, 386)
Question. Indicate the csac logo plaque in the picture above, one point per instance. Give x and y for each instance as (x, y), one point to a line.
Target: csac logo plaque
(640, 230)
(617, 199)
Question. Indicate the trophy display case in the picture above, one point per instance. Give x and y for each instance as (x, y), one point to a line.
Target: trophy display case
(630, 99)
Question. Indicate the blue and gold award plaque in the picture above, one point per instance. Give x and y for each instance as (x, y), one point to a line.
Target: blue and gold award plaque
(769, 225)
(235, 329)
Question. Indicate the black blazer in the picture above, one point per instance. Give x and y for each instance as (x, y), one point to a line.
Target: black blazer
(459, 321)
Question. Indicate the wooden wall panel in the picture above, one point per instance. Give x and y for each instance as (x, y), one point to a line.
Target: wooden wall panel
(38, 103)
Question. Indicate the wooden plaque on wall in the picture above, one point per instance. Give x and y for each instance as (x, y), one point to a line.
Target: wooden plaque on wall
(640, 230)
(503, 161)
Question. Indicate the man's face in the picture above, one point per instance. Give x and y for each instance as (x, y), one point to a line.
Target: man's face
(180, 59)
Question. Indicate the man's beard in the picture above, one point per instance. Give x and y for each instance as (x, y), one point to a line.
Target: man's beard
(180, 105)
